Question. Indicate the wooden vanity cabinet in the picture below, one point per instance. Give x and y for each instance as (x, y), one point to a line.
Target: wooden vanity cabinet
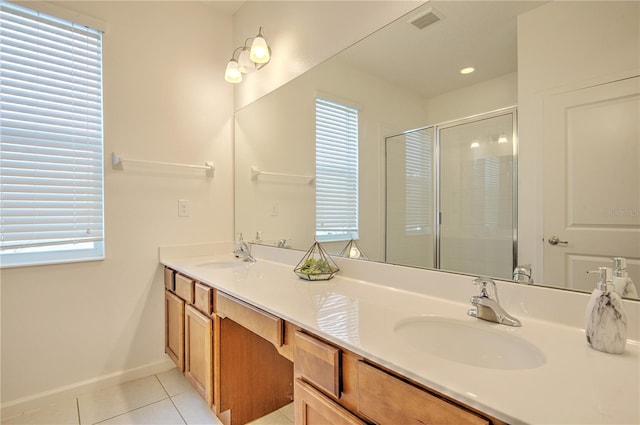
(189, 330)
(246, 363)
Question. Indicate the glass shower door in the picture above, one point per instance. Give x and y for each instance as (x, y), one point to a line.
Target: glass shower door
(410, 198)
(477, 232)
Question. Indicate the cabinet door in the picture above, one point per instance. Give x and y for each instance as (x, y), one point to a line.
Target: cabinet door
(198, 362)
(314, 408)
(174, 328)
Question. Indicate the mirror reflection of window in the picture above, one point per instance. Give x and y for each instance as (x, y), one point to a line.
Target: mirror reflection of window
(336, 171)
(419, 187)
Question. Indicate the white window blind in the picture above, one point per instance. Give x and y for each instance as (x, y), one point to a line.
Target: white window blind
(51, 161)
(336, 171)
(419, 182)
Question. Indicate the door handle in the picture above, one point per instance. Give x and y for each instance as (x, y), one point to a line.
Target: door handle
(554, 240)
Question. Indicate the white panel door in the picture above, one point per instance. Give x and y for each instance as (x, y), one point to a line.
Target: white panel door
(591, 182)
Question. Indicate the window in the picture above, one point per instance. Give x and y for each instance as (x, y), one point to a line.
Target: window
(51, 165)
(336, 171)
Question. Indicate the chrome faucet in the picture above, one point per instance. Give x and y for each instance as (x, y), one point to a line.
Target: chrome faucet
(522, 274)
(487, 306)
(282, 243)
(242, 250)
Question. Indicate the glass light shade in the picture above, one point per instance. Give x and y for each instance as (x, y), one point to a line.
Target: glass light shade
(232, 74)
(245, 64)
(260, 50)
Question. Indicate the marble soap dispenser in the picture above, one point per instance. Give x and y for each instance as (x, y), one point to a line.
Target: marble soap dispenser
(622, 283)
(605, 319)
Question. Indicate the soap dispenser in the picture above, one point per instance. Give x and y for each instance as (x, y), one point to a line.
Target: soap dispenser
(605, 319)
(621, 280)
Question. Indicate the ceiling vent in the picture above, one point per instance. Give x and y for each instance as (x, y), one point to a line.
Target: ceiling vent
(424, 20)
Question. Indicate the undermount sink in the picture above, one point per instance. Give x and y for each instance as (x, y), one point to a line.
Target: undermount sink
(223, 264)
(474, 344)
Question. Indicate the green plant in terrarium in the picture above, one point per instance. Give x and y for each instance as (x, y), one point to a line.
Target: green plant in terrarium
(311, 266)
(316, 265)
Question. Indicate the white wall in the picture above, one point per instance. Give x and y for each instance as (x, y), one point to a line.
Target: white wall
(164, 99)
(486, 96)
(563, 46)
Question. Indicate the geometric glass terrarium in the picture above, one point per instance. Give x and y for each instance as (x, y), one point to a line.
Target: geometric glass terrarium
(316, 265)
(353, 250)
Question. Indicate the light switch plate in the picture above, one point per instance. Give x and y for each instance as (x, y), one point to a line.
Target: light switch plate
(184, 208)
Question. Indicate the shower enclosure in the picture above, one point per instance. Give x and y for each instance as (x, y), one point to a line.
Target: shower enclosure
(451, 196)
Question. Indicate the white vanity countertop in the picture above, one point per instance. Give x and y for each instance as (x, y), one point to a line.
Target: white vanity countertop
(575, 385)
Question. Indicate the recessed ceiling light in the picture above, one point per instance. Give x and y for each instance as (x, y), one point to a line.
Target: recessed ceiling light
(467, 70)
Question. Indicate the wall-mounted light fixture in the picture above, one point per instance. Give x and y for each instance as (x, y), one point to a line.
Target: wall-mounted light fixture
(253, 55)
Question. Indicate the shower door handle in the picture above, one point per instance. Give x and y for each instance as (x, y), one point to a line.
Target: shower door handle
(554, 240)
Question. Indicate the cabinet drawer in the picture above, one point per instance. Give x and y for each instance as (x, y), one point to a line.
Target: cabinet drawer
(386, 399)
(314, 408)
(169, 279)
(203, 299)
(184, 288)
(318, 363)
(252, 318)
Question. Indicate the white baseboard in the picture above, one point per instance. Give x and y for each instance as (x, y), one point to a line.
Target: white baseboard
(36, 401)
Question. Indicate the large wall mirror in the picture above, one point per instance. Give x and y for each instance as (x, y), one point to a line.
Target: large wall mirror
(562, 75)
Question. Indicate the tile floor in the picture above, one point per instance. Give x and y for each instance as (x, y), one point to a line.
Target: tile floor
(164, 398)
